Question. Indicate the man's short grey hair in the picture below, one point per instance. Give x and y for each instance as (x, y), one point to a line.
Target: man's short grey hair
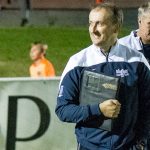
(145, 8)
(116, 13)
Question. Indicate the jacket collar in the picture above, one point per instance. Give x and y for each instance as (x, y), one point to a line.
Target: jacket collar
(136, 41)
(113, 49)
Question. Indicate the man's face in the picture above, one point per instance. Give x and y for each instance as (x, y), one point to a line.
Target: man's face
(101, 29)
(144, 28)
(35, 53)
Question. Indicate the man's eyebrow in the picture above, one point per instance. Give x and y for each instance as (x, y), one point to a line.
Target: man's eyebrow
(95, 21)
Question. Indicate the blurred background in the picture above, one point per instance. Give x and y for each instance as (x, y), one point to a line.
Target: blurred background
(61, 24)
(64, 12)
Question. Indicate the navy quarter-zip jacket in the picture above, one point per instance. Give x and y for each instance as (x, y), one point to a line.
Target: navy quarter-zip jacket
(134, 120)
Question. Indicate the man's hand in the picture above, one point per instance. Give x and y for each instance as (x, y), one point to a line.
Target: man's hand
(110, 108)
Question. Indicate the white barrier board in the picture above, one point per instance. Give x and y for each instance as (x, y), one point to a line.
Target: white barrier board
(27, 116)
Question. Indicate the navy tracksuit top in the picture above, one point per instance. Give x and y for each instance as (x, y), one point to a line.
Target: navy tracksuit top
(134, 120)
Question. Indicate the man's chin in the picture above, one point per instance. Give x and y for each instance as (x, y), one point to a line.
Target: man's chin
(147, 40)
(97, 43)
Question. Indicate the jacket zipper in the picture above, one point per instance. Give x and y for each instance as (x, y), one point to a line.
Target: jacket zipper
(106, 54)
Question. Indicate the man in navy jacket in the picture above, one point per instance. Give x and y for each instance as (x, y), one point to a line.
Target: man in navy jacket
(140, 39)
(107, 56)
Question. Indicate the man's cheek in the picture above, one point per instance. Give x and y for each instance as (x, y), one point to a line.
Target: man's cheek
(90, 29)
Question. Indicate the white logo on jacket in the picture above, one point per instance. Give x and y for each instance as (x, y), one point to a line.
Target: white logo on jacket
(122, 73)
(61, 90)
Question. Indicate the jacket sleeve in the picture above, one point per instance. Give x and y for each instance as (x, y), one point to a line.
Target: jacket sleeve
(143, 130)
(70, 65)
(68, 108)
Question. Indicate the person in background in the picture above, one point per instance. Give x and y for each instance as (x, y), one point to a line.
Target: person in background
(99, 1)
(140, 39)
(41, 67)
(25, 7)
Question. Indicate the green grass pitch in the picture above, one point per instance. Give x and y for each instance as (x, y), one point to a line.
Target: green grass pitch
(62, 41)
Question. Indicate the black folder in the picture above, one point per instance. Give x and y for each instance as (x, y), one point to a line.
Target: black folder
(96, 88)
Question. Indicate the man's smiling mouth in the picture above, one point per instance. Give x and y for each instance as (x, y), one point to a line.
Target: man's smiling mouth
(97, 35)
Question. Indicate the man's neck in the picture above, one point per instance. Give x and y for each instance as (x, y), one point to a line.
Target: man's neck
(106, 48)
(145, 42)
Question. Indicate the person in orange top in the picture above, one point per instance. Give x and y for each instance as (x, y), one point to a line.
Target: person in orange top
(41, 67)
(99, 1)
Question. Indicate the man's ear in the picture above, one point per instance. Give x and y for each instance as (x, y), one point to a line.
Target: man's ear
(139, 21)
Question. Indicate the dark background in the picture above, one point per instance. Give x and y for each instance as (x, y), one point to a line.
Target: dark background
(63, 12)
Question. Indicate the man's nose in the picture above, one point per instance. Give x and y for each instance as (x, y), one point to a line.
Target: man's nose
(94, 28)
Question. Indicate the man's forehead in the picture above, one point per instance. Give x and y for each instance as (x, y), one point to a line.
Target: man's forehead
(99, 15)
